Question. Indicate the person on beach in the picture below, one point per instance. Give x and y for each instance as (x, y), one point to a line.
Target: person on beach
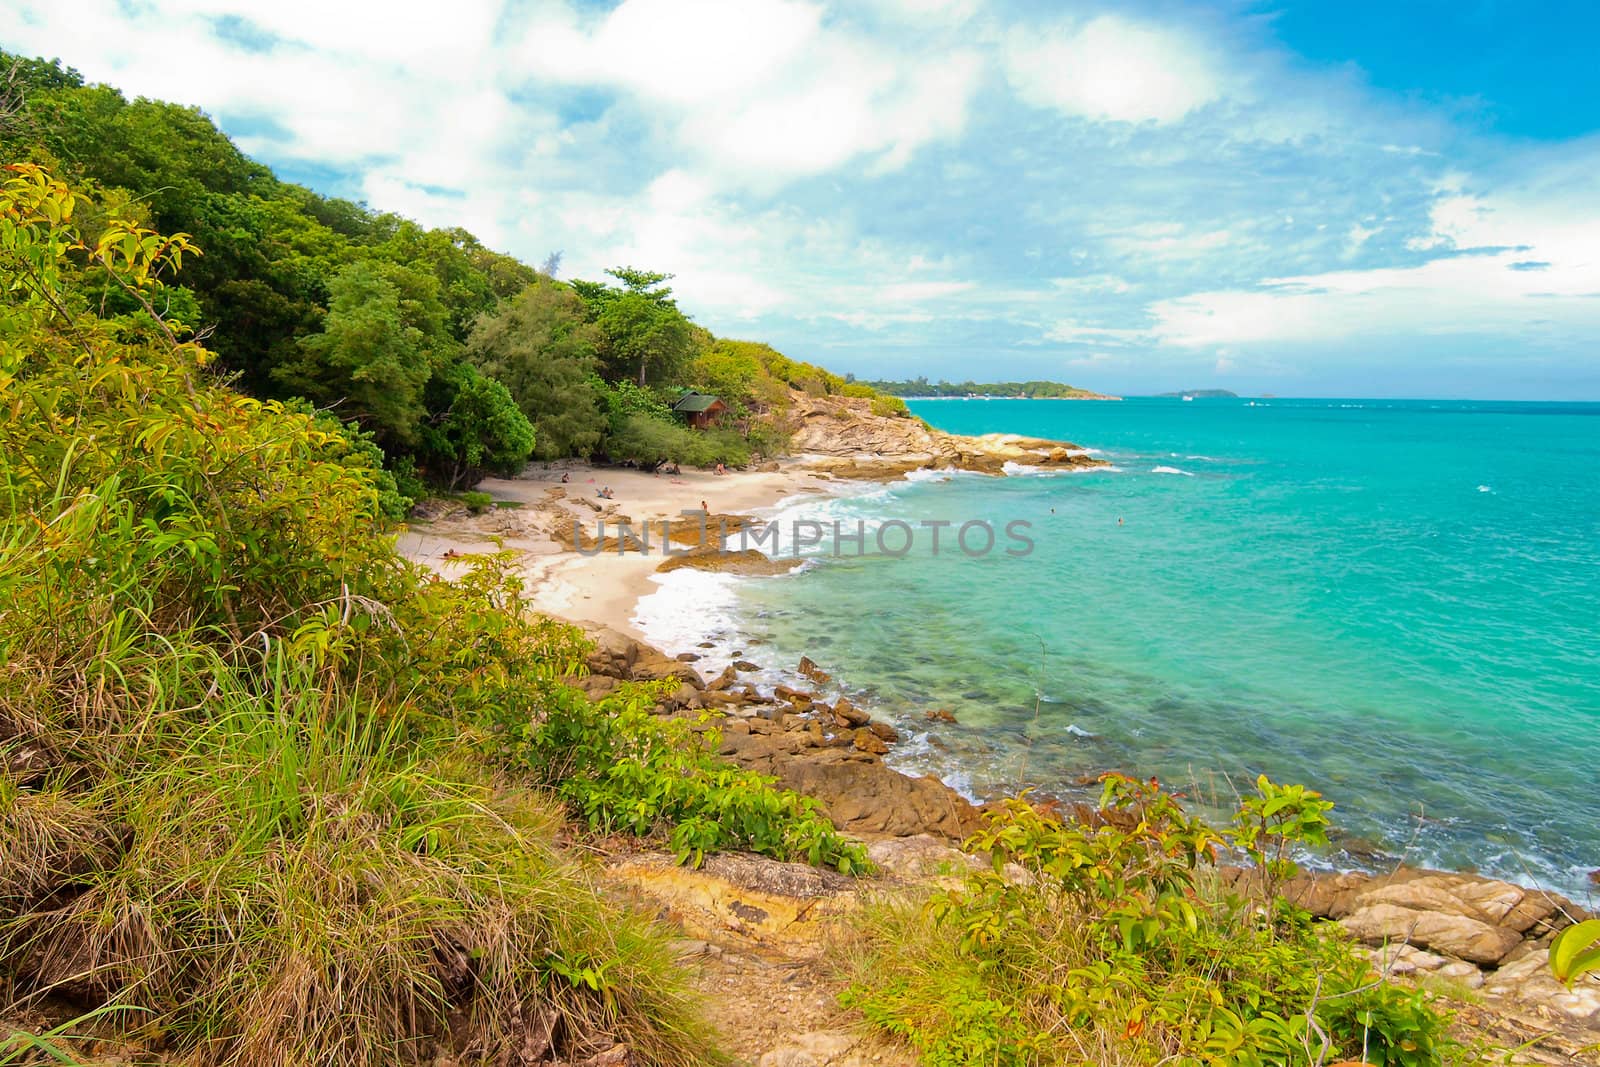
(704, 508)
(565, 477)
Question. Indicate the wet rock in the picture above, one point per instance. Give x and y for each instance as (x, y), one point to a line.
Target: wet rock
(722, 681)
(798, 697)
(745, 665)
(850, 715)
(810, 670)
(940, 715)
(867, 741)
(688, 657)
(884, 731)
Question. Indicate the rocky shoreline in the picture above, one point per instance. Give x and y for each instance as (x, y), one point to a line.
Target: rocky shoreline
(1485, 939)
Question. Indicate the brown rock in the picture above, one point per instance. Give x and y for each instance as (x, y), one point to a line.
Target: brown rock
(745, 665)
(850, 715)
(940, 715)
(858, 791)
(812, 671)
(867, 741)
(884, 731)
(744, 561)
(1327, 896)
(723, 680)
(1452, 935)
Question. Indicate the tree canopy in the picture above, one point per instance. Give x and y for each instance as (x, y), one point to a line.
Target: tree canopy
(450, 357)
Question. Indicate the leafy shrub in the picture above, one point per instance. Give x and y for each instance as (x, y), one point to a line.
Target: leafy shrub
(890, 407)
(1110, 946)
(649, 441)
(477, 502)
(623, 769)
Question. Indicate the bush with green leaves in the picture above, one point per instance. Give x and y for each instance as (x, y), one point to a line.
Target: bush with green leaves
(624, 769)
(1106, 942)
(890, 407)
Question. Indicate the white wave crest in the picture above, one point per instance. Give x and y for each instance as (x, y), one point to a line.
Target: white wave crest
(1171, 470)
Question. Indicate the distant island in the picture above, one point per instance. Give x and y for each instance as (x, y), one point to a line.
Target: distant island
(921, 388)
(1204, 394)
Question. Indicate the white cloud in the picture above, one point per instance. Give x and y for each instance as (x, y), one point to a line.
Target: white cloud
(1111, 69)
(760, 92)
(1552, 229)
(684, 52)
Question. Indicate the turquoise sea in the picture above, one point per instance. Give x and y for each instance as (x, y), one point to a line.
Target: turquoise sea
(1395, 601)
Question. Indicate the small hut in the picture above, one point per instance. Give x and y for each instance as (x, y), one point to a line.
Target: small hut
(699, 410)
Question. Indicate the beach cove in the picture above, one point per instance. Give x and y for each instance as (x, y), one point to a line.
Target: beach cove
(887, 767)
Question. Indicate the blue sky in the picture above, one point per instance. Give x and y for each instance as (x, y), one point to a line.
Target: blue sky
(1301, 198)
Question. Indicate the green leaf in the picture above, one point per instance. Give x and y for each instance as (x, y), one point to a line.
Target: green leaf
(1571, 954)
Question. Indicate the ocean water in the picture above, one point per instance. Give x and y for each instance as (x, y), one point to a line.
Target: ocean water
(1397, 602)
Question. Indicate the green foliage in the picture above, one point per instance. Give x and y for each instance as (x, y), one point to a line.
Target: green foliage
(1575, 951)
(624, 769)
(478, 428)
(382, 339)
(727, 370)
(647, 441)
(890, 407)
(643, 335)
(542, 349)
(477, 503)
(397, 489)
(625, 399)
(1269, 825)
(1108, 945)
(252, 809)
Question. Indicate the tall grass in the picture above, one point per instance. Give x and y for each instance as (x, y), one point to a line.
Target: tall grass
(241, 803)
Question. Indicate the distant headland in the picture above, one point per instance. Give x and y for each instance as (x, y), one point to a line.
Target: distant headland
(1204, 394)
(922, 389)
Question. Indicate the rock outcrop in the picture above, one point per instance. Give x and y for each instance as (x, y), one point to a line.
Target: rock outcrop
(1481, 933)
(830, 752)
(843, 437)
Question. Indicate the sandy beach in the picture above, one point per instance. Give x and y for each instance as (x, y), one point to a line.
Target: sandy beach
(537, 511)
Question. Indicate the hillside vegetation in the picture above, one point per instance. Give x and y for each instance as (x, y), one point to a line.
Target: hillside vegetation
(451, 359)
(1038, 390)
(269, 795)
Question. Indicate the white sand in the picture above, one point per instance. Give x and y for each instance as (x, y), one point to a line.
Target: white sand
(605, 587)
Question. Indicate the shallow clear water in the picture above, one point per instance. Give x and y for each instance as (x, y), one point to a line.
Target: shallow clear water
(1396, 601)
